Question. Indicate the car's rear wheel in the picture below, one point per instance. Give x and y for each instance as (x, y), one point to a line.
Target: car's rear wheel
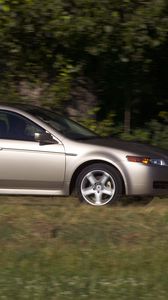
(99, 184)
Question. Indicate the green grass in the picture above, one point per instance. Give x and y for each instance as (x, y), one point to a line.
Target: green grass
(58, 249)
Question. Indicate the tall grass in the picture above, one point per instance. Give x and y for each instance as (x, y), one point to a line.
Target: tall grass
(58, 249)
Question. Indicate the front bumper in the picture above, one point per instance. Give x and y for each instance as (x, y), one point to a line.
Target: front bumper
(147, 180)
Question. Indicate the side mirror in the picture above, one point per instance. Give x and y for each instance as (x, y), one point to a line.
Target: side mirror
(44, 138)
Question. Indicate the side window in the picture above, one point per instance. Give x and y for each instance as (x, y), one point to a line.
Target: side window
(15, 127)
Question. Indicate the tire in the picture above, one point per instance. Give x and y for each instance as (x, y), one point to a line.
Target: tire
(99, 184)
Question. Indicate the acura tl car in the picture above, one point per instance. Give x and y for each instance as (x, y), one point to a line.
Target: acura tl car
(44, 153)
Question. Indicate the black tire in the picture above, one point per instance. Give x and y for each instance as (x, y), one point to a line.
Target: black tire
(99, 184)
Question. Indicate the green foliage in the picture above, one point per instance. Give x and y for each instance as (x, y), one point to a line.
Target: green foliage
(158, 133)
(116, 45)
(136, 135)
(104, 127)
(155, 133)
(57, 92)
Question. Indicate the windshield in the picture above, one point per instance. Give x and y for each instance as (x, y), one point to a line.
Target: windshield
(62, 124)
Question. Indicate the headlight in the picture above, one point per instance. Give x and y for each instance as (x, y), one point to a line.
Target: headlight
(147, 160)
(157, 161)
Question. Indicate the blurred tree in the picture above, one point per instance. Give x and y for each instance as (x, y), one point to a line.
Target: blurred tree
(119, 47)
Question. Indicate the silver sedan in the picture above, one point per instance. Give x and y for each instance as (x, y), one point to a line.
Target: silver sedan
(44, 153)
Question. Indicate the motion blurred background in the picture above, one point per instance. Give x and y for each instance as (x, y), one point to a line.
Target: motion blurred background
(104, 63)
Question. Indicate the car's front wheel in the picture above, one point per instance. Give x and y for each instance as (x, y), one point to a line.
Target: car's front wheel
(99, 184)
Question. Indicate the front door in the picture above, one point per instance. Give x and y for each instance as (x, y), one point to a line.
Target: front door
(25, 165)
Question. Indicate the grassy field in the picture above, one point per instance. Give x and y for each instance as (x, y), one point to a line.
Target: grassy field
(58, 249)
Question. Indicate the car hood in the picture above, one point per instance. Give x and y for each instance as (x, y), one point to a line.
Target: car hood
(135, 147)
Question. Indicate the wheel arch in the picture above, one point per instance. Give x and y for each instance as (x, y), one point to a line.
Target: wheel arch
(89, 163)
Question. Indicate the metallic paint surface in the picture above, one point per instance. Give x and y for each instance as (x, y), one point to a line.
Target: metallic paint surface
(30, 168)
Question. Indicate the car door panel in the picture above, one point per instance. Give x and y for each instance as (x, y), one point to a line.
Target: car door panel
(29, 165)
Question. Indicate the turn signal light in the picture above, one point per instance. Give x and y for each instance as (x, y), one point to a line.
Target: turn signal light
(139, 159)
